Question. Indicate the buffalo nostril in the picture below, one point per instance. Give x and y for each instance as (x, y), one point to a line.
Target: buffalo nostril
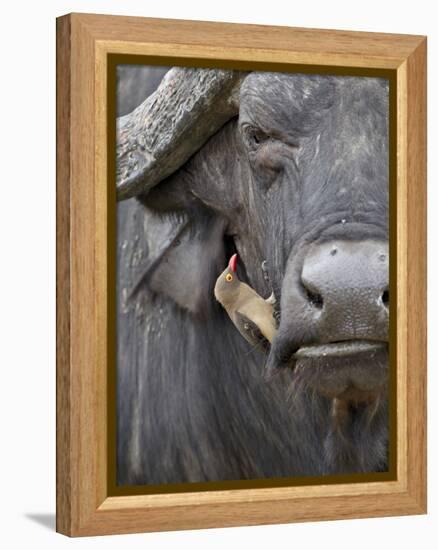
(385, 298)
(314, 298)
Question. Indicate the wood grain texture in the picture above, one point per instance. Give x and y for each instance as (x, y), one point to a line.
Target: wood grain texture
(83, 504)
(333, 47)
(63, 402)
(417, 271)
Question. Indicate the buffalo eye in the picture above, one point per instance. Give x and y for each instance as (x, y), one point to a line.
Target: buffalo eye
(268, 153)
(253, 137)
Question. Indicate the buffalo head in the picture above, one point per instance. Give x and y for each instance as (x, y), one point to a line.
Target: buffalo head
(290, 171)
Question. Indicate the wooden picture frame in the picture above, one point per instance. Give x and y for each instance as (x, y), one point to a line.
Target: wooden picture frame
(84, 42)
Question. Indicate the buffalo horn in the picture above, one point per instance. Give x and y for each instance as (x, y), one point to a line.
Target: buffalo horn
(161, 134)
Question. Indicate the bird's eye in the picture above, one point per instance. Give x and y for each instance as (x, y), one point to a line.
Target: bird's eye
(228, 277)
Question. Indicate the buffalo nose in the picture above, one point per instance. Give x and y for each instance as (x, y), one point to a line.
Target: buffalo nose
(346, 286)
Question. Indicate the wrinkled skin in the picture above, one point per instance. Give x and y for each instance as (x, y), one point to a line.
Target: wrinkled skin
(301, 171)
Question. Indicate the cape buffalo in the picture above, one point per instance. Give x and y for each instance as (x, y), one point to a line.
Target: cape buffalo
(291, 172)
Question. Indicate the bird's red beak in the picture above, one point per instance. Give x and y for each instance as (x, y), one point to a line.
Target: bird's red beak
(232, 264)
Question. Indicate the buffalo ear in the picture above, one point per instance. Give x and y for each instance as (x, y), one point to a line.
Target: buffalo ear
(178, 255)
(188, 268)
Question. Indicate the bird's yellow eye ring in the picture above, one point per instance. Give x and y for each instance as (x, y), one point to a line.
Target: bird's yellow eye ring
(228, 277)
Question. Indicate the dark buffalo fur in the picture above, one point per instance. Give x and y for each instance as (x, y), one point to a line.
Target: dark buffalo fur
(306, 161)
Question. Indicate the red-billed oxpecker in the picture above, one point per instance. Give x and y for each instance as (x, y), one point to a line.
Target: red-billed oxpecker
(252, 315)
